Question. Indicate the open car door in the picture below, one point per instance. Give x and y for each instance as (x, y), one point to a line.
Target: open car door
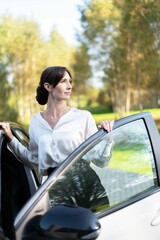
(114, 175)
(130, 178)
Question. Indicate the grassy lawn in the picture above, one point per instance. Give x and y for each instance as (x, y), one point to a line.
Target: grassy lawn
(130, 161)
(109, 116)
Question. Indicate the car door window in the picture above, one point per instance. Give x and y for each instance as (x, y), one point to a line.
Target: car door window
(117, 168)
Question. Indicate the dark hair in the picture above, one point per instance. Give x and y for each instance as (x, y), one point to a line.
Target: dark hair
(51, 75)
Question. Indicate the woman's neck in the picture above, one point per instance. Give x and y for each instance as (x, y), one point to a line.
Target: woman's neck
(56, 110)
(53, 113)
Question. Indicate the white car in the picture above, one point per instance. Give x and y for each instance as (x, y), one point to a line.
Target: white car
(114, 197)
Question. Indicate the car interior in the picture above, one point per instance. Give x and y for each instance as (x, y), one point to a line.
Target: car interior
(15, 190)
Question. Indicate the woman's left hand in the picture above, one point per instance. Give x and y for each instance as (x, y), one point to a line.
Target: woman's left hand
(107, 125)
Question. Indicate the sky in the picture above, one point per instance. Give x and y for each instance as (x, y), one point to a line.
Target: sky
(62, 14)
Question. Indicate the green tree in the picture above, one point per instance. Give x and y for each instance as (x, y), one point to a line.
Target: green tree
(7, 112)
(81, 71)
(26, 54)
(124, 36)
(133, 56)
(58, 51)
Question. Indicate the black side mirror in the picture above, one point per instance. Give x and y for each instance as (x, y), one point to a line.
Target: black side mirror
(69, 222)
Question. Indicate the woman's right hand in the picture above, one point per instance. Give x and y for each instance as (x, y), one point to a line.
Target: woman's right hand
(6, 130)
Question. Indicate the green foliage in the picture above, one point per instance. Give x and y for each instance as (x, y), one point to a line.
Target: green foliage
(7, 112)
(123, 42)
(100, 109)
(104, 98)
(106, 114)
(123, 161)
(58, 51)
(23, 56)
(81, 71)
(119, 45)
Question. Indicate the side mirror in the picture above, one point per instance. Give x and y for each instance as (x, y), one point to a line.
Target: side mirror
(64, 222)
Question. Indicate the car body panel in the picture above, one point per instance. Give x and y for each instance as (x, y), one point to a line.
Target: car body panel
(133, 221)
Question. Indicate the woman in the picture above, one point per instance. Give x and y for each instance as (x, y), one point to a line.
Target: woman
(54, 134)
(56, 131)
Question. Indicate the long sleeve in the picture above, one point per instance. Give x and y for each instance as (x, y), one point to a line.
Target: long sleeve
(101, 154)
(23, 154)
(28, 156)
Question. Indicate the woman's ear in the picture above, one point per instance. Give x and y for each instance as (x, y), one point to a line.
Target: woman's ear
(48, 87)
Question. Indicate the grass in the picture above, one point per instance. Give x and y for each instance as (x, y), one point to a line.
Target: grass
(155, 112)
(127, 159)
(131, 161)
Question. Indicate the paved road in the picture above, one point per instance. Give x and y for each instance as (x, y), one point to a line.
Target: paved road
(121, 185)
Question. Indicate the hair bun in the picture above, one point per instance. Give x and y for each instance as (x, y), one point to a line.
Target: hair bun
(42, 95)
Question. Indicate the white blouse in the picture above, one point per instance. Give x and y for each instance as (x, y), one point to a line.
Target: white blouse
(49, 147)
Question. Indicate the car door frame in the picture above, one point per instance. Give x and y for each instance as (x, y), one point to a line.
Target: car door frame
(38, 203)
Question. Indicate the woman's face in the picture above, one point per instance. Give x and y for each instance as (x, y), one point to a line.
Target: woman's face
(62, 91)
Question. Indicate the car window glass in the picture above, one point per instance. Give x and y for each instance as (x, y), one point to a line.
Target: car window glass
(117, 168)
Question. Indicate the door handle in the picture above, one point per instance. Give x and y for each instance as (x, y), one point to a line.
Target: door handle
(156, 221)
